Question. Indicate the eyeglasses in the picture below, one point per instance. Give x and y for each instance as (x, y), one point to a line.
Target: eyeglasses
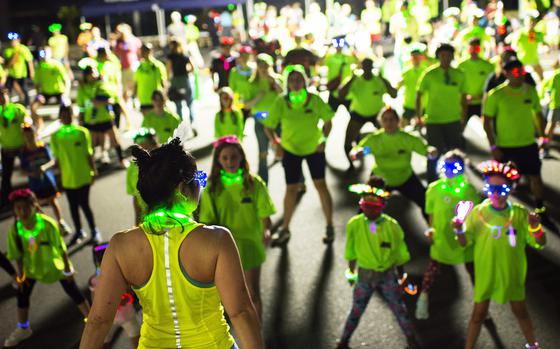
(451, 169)
(502, 189)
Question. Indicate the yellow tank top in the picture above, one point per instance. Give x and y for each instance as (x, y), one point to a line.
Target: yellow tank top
(179, 312)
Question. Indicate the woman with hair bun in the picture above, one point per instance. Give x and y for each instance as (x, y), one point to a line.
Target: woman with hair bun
(181, 271)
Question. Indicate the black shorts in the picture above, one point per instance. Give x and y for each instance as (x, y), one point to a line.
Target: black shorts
(334, 102)
(364, 119)
(101, 127)
(525, 158)
(409, 113)
(293, 170)
(10, 82)
(474, 109)
(45, 191)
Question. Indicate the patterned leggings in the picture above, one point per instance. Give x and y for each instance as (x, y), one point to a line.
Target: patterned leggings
(434, 269)
(392, 293)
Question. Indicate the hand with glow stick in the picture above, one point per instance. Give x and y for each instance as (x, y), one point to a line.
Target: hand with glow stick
(408, 287)
(351, 276)
(461, 211)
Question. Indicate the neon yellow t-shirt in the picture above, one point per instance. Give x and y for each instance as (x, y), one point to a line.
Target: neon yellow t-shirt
(43, 254)
(12, 115)
(72, 149)
(443, 93)
(110, 72)
(199, 314)
(555, 91)
(267, 101)
(514, 110)
(442, 197)
(50, 77)
(228, 124)
(337, 63)
(476, 72)
(375, 245)
(59, 46)
(241, 211)
(149, 77)
(499, 268)
(366, 96)
(410, 79)
(301, 127)
(527, 46)
(23, 56)
(164, 125)
(393, 153)
(239, 82)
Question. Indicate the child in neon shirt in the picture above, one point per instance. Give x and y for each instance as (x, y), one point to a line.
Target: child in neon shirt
(126, 314)
(228, 121)
(499, 230)
(442, 198)
(239, 201)
(375, 247)
(34, 242)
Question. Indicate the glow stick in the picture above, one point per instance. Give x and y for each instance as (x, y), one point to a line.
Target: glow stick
(462, 210)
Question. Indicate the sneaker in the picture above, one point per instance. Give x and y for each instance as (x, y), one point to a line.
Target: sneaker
(281, 237)
(95, 236)
(78, 237)
(342, 344)
(65, 230)
(18, 336)
(422, 309)
(329, 235)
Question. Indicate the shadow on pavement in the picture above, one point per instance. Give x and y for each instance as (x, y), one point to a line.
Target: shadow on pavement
(277, 337)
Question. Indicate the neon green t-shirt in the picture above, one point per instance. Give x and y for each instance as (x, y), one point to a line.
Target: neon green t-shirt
(514, 110)
(393, 153)
(476, 32)
(410, 79)
(50, 77)
(476, 72)
(228, 124)
(149, 77)
(554, 89)
(164, 125)
(59, 46)
(85, 95)
(239, 82)
(110, 72)
(100, 112)
(301, 126)
(267, 101)
(337, 62)
(527, 46)
(12, 115)
(499, 268)
(241, 211)
(43, 254)
(366, 96)
(443, 93)
(72, 149)
(22, 56)
(442, 197)
(377, 245)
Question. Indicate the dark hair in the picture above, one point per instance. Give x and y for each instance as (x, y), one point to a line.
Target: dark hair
(455, 154)
(215, 181)
(161, 170)
(474, 42)
(387, 109)
(445, 47)
(512, 65)
(376, 182)
(65, 108)
(158, 93)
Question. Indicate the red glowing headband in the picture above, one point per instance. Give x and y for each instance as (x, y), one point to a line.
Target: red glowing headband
(226, 140)
(519, 71)
(493, 167)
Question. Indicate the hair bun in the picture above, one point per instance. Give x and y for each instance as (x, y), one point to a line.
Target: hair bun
(141, 156)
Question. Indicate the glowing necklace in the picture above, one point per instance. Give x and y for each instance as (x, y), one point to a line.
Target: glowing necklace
(31, 234)
(298, 98)
(231, 178)
(496, 230)
(160, 220)
(454, 185)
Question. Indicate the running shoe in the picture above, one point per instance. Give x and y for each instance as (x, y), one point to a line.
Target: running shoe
(342, 344)
(422, 309)
(78, 237)
(18, 336)
(64, 228)
(95, 236)
(329, 235)
(281, 237)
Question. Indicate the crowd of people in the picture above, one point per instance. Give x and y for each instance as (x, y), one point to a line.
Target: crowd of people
(188, 258)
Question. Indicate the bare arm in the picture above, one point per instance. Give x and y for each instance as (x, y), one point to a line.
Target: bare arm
(390, 89)
(539, 125)
(327, 127)
(489, 129)
(419, 104)
(464, 104)
(107, 298)
(343, 91)
(233, 291)
(168, 66)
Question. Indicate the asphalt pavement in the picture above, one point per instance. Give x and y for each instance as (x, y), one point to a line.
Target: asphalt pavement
(305, 295)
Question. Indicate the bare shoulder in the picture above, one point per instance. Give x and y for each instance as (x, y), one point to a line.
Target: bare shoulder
(211, 233)
(126, 236)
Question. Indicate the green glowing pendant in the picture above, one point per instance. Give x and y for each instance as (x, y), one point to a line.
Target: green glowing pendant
(231, 178)
(298, 99)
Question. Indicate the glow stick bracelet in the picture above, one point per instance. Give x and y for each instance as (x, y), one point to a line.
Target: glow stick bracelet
(350, 275)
